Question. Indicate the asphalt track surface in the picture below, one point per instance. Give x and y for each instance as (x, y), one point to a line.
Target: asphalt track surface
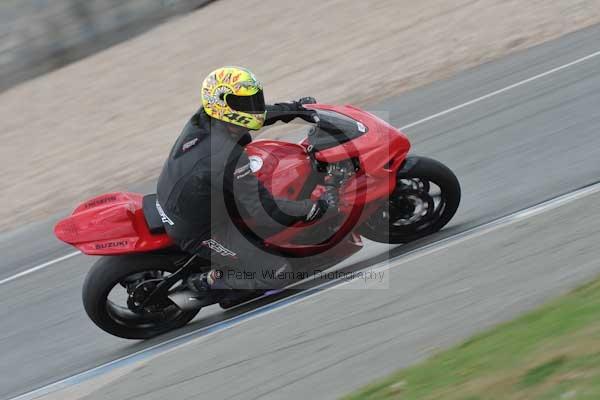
(517, 148)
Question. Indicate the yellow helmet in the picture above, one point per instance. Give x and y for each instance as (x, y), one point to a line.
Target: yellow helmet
(234, 95)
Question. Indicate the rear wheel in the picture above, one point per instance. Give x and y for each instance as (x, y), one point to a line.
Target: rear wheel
(115, 288)
(426, 198)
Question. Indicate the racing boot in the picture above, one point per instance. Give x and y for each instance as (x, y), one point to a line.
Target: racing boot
(198, 293)
(226, 298)
(237, 297)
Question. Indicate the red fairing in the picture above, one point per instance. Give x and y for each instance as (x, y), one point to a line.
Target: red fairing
(112, 223)
(285, 167)
(380, 151)
(282, 167)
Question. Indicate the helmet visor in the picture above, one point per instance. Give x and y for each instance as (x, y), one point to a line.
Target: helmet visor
(254, 104)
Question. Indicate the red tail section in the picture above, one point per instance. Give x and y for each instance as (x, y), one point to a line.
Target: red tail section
(112, 223)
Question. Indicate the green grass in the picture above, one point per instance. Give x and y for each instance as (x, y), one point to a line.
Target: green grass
(551, 353)
(538, 374)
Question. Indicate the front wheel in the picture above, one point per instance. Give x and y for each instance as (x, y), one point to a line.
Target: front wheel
(426, 198)
(115, 287)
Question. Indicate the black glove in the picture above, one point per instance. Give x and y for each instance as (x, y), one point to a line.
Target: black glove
(310, 116)
(330, 196)
(329, 199)
(306, 114)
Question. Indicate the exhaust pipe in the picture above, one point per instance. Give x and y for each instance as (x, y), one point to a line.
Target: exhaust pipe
(188, 300)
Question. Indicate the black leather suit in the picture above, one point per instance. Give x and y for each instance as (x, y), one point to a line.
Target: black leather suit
(207, 183)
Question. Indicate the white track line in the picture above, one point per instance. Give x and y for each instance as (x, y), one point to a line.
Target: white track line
(419, 122)
(170, 344)
(506, 89)
(39, 267)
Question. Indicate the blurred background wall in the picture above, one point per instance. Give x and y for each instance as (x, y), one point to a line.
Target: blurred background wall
(37, 36)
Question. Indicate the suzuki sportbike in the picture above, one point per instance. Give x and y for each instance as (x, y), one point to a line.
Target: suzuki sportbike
(136, 289)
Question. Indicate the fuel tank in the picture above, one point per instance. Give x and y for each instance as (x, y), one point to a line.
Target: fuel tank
(284, 168)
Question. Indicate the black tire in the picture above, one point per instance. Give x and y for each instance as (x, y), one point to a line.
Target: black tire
(426, 169)
(105, 274)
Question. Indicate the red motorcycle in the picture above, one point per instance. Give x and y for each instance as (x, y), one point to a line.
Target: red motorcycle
(134, 290)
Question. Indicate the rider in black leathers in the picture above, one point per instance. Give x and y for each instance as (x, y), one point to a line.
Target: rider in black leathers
(207, 183)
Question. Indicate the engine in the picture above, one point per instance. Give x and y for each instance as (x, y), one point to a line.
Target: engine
(341, 171)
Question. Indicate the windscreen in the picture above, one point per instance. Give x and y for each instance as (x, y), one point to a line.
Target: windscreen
(334, 129)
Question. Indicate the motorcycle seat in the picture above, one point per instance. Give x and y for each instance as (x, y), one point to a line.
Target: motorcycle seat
(153, 218)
